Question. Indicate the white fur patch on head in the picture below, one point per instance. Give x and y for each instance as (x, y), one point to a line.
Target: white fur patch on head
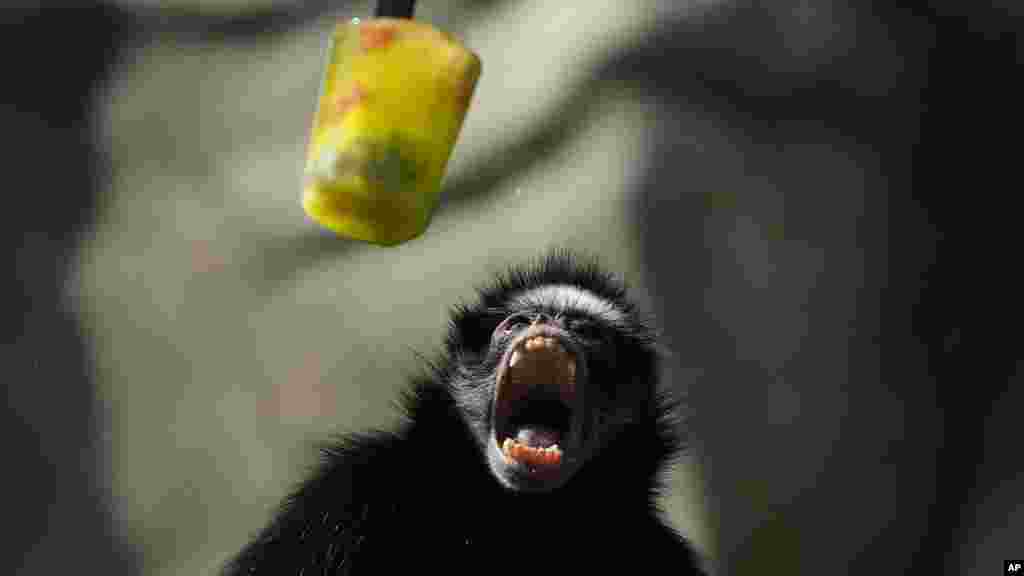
(566, 298)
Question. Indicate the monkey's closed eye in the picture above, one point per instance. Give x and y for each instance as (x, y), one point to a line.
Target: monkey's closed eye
(511, 324)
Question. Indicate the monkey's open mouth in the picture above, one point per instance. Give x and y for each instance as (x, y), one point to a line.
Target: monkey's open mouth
(534, 403)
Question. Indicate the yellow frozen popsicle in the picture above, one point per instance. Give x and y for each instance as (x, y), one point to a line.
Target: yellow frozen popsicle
(394, 95)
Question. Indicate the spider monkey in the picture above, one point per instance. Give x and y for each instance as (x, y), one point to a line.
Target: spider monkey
(534, 445)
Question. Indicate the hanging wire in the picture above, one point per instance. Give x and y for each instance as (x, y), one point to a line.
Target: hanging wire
(395, 8)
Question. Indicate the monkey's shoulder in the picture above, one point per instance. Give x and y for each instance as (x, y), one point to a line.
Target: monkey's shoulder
(324, 523)
(421, 498)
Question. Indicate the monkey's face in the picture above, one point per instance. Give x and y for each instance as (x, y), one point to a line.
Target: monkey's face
(549, 378)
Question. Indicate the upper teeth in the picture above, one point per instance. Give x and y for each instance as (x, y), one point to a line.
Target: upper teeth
(563, 359)
(538, 342)
(550, 345)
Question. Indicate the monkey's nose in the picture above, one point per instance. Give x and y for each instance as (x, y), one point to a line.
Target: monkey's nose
(544, 325)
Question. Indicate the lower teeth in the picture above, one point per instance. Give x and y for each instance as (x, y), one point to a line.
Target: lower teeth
(516, 451)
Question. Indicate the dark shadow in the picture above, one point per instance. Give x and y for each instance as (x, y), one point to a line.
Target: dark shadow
(921, 104)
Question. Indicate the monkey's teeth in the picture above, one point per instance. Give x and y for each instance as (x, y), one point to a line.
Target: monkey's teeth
(536, 342)
(514, 451)
(515, 358)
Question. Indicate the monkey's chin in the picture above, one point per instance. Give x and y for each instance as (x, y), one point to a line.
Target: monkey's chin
(520, 477)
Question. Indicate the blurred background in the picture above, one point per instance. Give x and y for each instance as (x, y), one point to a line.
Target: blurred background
(231, 335)
(794, 187)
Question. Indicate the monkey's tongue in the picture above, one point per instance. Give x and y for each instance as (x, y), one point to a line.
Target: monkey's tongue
(538, 436)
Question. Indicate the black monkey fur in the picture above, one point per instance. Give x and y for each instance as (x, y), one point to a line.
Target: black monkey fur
(434, 496)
